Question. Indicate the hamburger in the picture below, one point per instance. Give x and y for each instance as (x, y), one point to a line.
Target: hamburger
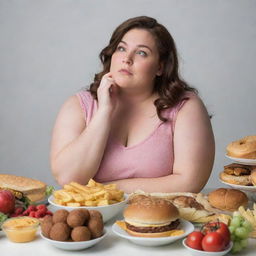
(23, 188)
(193, 207)
(239, 174)
(151, 217)
(227, 199)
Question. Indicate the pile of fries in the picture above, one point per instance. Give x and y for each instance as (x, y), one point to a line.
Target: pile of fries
(249, 215)
(92, 194)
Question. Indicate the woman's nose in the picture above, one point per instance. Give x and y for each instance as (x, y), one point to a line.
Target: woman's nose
(128, 59)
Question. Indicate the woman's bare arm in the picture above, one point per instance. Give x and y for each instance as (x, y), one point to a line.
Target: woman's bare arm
(194, 150)
(77, 150)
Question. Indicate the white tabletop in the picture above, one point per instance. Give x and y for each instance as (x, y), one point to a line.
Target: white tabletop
(110, 245)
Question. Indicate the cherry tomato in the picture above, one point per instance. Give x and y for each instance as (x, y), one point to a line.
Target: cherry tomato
(194, 240)
(220, 228)
(213, 242)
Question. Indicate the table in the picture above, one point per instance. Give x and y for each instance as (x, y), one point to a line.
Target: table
(110, 245)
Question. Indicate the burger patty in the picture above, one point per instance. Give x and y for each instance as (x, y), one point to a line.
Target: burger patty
(171, 226)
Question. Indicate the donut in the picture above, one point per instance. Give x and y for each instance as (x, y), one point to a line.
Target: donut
(243, 148)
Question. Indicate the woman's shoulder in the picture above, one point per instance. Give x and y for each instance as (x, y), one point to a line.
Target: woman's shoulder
(85, 95)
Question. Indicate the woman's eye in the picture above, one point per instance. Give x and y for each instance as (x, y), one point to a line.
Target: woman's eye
(142, 53)
(120, 49)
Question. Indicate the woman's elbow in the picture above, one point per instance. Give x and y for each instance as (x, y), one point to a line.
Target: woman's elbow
(58, 174)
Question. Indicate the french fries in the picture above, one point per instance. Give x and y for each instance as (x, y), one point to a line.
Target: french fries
(249, 215)
(92, 194)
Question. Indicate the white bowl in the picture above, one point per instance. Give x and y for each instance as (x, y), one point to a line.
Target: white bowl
(107, 211)
(154, 241)
(74, 246)
(205, 253)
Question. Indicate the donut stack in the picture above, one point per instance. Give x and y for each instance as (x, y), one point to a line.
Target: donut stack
(237, 173)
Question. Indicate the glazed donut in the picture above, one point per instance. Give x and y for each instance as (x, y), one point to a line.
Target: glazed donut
(244, 180)
(243, 148)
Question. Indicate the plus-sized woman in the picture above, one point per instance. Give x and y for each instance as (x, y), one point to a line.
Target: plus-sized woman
(138, 125)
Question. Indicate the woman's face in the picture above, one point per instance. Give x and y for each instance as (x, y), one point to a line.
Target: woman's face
(135, 62)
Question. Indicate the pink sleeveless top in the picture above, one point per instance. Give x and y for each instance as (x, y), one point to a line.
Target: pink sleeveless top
(150, 158)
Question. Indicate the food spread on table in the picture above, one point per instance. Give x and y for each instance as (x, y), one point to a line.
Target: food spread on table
(226, 216)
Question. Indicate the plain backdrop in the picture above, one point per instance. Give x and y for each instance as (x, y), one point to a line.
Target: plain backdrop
(49, 50)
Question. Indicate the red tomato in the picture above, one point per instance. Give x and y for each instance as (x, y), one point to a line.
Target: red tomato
(220, 228)
(213, 242)
(194, 240)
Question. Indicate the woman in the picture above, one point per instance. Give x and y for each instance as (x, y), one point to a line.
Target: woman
(139, 125)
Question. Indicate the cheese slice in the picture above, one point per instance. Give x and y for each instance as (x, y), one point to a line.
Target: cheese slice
(174, 232)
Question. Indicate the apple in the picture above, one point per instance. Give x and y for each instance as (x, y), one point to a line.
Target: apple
(7, 201)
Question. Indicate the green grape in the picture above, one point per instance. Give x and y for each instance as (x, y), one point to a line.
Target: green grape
(236, 247)
(247, 225)
(241, 232)
(236, 213)
(232, 229)
(244, 243)
(236, 221)
(233, 237)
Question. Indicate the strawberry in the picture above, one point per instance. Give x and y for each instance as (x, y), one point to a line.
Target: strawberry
(18, 210)
(49, 213)
(32, 214)
(41, 207)
(31, 208)
(14, 215)
(40, 213)
(25, 213)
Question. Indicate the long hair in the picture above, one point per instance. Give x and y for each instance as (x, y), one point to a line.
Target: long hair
(169, 86)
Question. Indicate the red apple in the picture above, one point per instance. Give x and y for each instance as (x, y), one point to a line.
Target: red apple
(7, 201)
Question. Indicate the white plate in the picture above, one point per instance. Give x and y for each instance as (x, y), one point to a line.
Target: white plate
(242, 160)
(240, 187)
(107, 211)
(74, 246)
(154, 241)
(205, 253)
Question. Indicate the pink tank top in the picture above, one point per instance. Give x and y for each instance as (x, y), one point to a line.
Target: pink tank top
(150, 158)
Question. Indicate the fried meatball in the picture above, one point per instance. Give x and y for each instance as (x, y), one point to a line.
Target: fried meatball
(60, 231)
(46, 228)
(96, 227)
(60, 216)
(80, 233)
(47, 218)
(77, 218)
(95, 214)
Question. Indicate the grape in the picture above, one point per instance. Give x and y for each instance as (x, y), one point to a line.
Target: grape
(236, 247)
(241, 232)
(239, 229)
(236, 221)
(247, 225)
(244, 243)
(232, 229)
(236, 213)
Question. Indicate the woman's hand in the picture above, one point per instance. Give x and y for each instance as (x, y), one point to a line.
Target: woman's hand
(107, 94)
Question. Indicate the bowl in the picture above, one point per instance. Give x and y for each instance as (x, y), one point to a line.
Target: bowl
(205, 253)
(107, 211)
(21, 229)
(74, 246)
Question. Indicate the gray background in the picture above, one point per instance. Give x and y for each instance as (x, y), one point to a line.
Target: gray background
(49, 50)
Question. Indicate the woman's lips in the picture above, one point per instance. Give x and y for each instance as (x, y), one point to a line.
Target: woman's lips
(125, 71)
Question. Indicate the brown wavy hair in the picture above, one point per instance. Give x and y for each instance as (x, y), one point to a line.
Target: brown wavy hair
(169, 86)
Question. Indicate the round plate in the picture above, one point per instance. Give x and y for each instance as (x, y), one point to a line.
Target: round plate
(242, 160)
(240, 187)
(205, 253)
(74, 246)
(154, 241)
